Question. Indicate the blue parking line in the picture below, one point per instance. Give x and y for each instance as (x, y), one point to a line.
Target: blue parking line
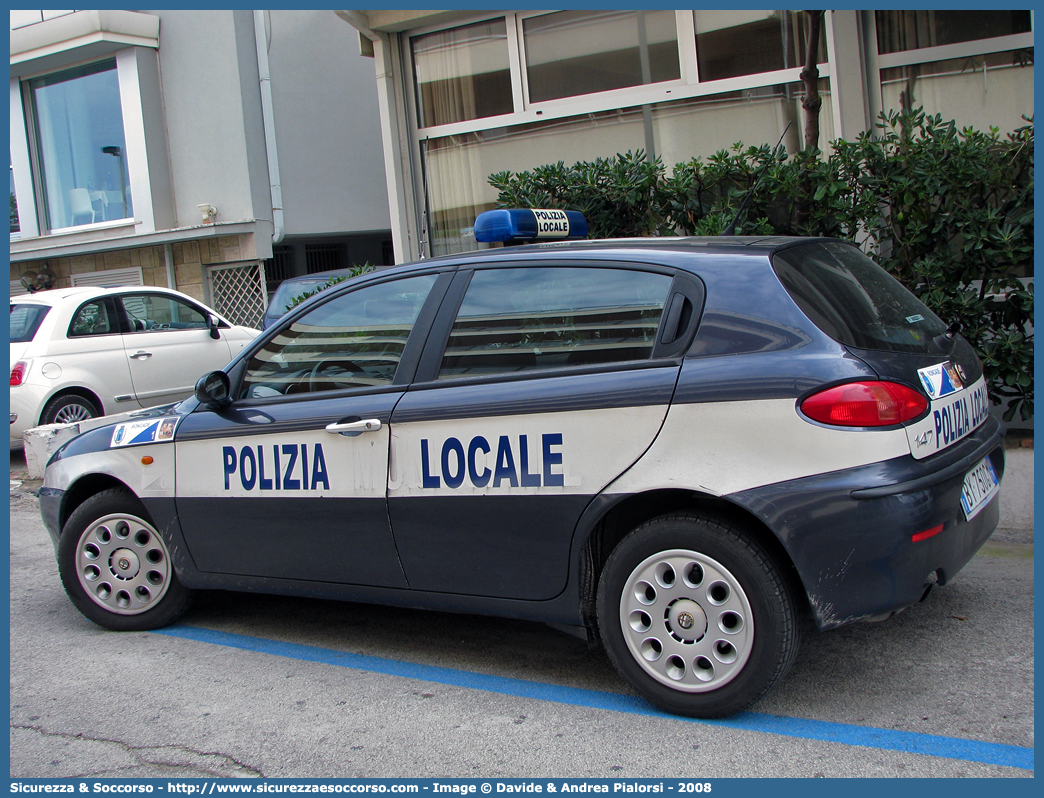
(845, 733)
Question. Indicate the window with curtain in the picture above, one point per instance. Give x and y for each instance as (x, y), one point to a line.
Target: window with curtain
(458, 167)
(462, 73)
(981, 91)
(734, 43)
(80, 147)
(911, 30)
(569, 53)
(15, 227)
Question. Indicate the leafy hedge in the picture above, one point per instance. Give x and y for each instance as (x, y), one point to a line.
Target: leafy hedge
(354, 271)
(948, 211)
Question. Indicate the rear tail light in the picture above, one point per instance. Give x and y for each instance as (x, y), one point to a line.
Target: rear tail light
(18, 371)
(865, 404)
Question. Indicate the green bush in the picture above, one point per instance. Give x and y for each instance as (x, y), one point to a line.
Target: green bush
(948, 211)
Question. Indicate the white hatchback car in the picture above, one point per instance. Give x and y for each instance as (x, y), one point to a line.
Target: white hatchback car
(77, 353)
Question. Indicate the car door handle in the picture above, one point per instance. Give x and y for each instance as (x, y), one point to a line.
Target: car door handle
(141, 355)
(368, 425)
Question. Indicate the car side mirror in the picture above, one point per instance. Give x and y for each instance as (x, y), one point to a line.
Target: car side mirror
(212, 322)
(214, 389)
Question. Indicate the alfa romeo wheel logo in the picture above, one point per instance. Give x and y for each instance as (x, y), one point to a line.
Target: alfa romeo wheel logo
(124, 564)
(686, 621)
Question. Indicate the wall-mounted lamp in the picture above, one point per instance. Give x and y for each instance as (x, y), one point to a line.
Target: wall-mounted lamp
(208, 212)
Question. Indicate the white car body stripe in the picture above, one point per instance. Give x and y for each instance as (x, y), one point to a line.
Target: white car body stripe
(726, 447)
(151, 481)
(576, 452)
(300, 465)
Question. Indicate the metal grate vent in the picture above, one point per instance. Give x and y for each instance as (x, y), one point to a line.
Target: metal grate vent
(239, 293)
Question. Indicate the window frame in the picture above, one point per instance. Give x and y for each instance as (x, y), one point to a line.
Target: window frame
(661, 86)
(684, 283)
(876, 62)
(410, 356)
(687, 87)
(115, 323)
(187, 302)
(25, 160)
(33, 133)
(949, 52)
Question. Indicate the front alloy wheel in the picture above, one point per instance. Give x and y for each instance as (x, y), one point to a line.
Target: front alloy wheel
(122, 564)
(116, 567)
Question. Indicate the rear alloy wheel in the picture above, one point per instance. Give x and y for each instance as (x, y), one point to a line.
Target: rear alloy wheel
(696, 616)
(68, 409)
(116, 567)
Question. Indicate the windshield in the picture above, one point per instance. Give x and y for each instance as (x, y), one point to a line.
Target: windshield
(855, 301)
(25, 321)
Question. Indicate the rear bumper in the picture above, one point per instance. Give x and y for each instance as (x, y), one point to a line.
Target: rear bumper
(849, 533)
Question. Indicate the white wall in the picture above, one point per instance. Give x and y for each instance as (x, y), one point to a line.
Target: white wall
(328, 126)
(207, 123)
(327, 121)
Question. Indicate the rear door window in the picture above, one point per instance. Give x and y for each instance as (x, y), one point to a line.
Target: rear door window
(517, 319)
(855, 301)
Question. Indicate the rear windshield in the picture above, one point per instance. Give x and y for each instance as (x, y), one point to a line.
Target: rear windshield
(289, 290)
(855, 301)
(25, 321)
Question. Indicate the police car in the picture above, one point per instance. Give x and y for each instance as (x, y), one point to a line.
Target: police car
(678, 446)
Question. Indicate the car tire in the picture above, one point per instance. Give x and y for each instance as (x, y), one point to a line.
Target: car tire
(696, 616)
(117, 568)
(67, 409)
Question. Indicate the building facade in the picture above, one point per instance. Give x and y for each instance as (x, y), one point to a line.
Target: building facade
(466, 94)
(216, 152)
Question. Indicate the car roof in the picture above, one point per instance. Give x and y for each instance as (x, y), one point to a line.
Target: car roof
(696, 244)
(669, 250)
(55, 296)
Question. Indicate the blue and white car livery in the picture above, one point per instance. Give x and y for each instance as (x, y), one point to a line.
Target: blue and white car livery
(676, 446)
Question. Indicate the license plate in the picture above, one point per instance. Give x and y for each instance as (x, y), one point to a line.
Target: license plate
(979, 487)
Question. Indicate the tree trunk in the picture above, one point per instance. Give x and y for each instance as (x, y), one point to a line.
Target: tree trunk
(812, 102)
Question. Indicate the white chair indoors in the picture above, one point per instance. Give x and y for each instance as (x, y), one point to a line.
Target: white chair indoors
(80, 205)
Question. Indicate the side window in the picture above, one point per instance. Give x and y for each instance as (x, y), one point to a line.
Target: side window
(535, 318)
(354, 340)
(25, 321)
(92, 318)
(156, 313)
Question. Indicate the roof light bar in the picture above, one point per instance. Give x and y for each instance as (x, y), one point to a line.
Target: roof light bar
(529, 224)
